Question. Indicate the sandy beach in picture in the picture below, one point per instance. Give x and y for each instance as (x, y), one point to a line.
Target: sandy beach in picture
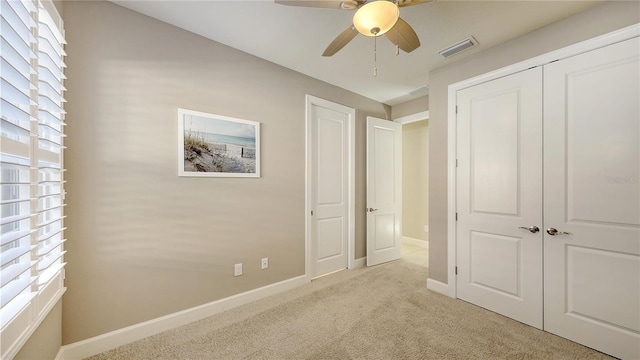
(202, 156)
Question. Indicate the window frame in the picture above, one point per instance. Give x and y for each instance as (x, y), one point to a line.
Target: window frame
(32, 132)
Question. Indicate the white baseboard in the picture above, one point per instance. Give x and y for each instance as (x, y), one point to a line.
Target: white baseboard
(96, 345)
(415, 242)
(438, 287)
(359, 263)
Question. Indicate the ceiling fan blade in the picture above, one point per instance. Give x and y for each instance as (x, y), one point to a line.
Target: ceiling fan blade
(324, 4)
(340, 41)
(403, 3)
(403, 35)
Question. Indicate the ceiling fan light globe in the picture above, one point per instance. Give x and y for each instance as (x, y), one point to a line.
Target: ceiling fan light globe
(376, 17)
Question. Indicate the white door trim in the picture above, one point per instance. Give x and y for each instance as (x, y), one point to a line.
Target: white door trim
(423, 115)
(351, 197)
(572, 50)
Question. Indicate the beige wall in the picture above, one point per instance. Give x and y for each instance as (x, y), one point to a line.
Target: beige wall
(598, 20)
(410, 107)
(143, 242)
(415, 179)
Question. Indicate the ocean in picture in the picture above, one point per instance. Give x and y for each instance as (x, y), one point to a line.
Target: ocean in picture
(224, 139)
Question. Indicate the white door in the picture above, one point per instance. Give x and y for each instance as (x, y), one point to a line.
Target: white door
(499, 196)
(330, 217)
(592, 192)
(384, 191)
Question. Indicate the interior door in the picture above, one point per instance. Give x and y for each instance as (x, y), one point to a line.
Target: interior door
(592, 199)
(330, 188)
(384, 191)
(499, 196)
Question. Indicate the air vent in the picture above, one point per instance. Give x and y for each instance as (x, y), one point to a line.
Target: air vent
(457, 47)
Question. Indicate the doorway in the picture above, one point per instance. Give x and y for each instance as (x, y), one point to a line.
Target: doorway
(415, 187)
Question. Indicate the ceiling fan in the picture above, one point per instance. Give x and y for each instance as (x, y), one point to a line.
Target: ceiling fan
(372, 18)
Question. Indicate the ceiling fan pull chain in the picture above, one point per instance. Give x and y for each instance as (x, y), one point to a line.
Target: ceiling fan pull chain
(397, 43)
(375, 59)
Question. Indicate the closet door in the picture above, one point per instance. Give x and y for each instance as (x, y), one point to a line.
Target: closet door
(499, 196)
(592, 199)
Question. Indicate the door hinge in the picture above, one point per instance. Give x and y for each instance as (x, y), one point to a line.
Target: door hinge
(311, 212)
(456, 216)
(456, 162)
(456, 109)
(456, 270)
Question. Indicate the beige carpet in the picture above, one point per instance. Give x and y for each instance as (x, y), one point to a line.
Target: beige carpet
(384, 312)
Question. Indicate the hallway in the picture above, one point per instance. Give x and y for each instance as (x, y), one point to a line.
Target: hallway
(414, 254)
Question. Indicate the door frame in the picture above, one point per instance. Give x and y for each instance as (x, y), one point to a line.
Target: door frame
(626, 33)
(419, 116)
(310, 101)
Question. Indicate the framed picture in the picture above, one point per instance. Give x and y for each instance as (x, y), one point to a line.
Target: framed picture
(212, 145)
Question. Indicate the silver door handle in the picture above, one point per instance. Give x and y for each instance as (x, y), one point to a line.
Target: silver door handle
(534, 229)
(554, 232)
(371, 209)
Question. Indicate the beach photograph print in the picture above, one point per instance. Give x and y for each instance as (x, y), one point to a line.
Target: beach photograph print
(217, 146)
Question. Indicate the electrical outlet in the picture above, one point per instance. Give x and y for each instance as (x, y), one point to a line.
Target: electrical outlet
(265, 263)
(237, 269)
(426, 228)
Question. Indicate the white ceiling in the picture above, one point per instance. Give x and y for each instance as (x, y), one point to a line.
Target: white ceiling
(295, 37)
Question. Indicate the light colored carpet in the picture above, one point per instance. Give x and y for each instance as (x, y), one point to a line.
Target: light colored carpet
(384, 312)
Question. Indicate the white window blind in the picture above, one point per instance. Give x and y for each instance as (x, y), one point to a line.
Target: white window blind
(31, 165)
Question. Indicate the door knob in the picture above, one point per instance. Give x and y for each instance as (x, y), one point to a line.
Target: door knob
(554, 232)
(371, 209)
(534, 229)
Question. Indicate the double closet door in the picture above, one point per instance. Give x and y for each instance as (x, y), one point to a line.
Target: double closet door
(548, 197)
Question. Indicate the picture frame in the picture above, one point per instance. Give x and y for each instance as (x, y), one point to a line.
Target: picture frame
(211, 145)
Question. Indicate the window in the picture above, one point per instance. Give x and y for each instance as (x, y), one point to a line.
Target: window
(31, 167)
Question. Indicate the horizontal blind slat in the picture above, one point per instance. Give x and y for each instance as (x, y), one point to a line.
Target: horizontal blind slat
(54, 269)
(51, 234)
(15, 236)
(51, 246)
(12, 37)
(14, 95)
(14, 253)
(13, 19)
(12, 75)
(49, 259)
(13, 272)
(14, 115)
(9, 291)
(50, 31)
(23, 11)
(13, 57)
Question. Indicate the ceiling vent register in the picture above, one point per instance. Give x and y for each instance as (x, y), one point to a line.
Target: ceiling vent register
(458, 47)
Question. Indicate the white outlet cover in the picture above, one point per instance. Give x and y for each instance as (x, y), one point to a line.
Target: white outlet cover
(265, 263)
(237, 269)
